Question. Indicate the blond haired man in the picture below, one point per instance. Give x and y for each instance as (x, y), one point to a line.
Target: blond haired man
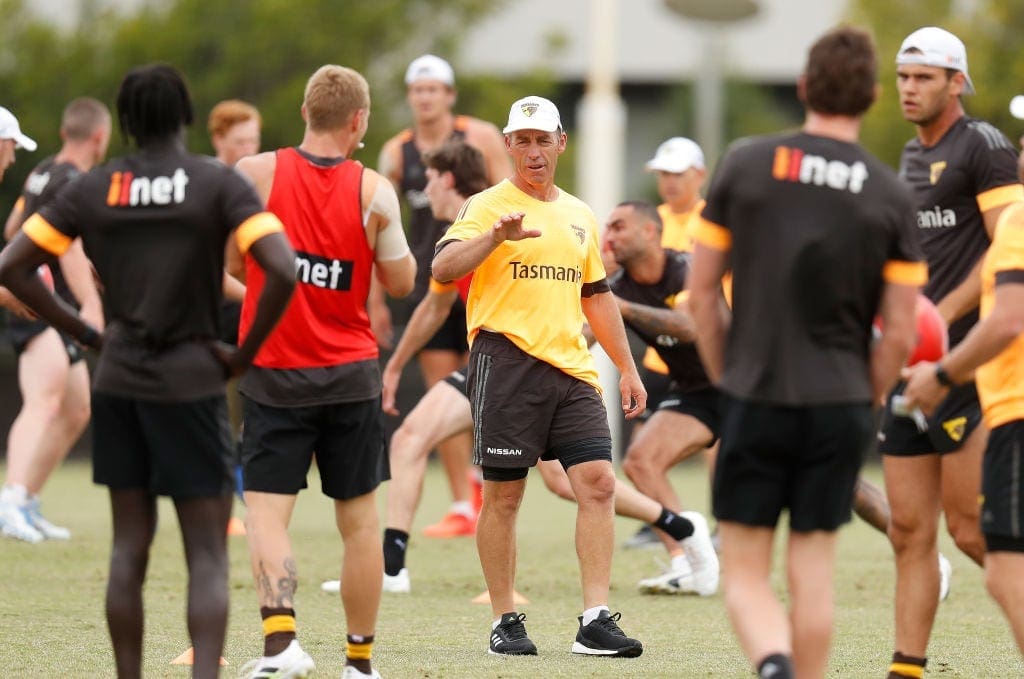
(314, 388)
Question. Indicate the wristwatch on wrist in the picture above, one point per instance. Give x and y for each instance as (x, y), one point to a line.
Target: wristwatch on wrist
(943, 377)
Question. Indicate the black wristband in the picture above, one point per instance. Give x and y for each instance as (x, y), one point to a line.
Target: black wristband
(943, 377)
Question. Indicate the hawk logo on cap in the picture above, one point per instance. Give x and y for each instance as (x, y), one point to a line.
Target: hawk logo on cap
(529, 108)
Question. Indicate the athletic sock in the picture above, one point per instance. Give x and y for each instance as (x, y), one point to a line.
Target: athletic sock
(676, 525)
(14, 494)
(278, 629)
(395, 543)
(590, 615)
(906, 666)
(464, 507)
(776, 666)
(358, 650)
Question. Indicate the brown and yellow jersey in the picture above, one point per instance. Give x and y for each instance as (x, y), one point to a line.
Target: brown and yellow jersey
(530, 290)
(1001, 381)
(814, 227)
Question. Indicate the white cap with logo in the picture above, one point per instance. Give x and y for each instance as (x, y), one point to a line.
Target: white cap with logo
(933, 46)
(677, 154)
(430, 67)
(9, 129)
(533, 113)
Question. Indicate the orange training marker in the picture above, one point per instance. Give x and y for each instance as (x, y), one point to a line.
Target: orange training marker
(485, 598)
(236, 526)
(188, 657)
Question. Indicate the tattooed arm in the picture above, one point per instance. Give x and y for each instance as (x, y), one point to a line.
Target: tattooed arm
(675, 322)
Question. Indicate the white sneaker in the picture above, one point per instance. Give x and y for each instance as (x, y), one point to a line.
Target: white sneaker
(49, 530)
(14, 524)
(673, 581)
(291, 663)
(392, 583)
(352, 673)
(700, 552)
(398, 584)
(945, 577)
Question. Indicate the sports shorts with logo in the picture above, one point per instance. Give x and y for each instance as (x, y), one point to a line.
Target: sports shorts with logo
(347, 439)
(1002, 488)
(704, 405)
(525, 410)
(180, 449)
(805, 459)
(953, 421)
(457, 378)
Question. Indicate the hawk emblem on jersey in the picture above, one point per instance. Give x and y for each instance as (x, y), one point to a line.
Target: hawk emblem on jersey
(936, 171)
(955, 428)
(529, 108)
(580, 233)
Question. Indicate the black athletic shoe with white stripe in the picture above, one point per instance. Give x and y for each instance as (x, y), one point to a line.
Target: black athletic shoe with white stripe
(509, 637)
(604, 637)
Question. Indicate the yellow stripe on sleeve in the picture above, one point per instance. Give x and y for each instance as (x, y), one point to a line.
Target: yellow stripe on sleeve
(440, 288)
(712, 235)
(19, 204)
(46, 236)
(905, 273)
(256, 227)
(999, 196)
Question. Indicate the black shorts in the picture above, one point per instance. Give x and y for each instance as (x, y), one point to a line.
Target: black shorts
(177, 448)
(657, 386)
(1002, 488)
(278, 445)
(704, 405)
(525, 410)
(457, 378)
(22, 331)
(804, 459)
(452, 335)
(953, 421)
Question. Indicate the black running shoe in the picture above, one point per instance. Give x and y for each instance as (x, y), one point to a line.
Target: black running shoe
(509, 637)
(604, 637)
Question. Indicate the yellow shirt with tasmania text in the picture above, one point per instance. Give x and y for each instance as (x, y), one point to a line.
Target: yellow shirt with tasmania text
(529, 290)
(1001, 381)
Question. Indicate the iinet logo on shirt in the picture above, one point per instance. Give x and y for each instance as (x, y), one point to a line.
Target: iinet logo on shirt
(127, 190)
(793, 165)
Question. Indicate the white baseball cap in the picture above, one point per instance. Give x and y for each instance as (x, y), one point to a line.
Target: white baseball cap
(9, 129)
(677, 154)
(533, 113)
(430, 67)
(933, 46)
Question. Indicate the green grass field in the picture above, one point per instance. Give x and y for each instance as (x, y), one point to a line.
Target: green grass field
(54, 627)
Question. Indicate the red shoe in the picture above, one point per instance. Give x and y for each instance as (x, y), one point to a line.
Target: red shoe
(476, 490)
(451, 526)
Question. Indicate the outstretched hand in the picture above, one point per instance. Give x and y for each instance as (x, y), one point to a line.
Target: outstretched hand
(510, 227)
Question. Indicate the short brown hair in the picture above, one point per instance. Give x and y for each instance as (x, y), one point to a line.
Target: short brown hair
(332, 95)
(465, 163)
(229, 113)
(82, 117)
(841, 73)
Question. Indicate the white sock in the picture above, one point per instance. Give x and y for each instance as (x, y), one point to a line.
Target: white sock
(464, 508)
(679, 563)
(15, 494)
(590, 615)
